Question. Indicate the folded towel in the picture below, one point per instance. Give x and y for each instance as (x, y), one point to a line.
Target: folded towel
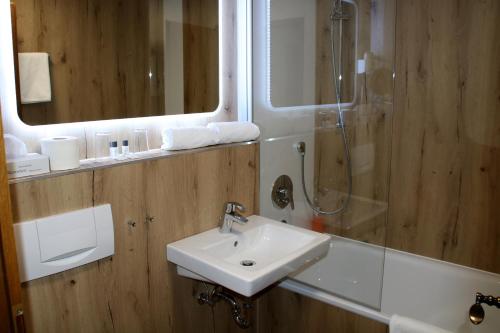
(14, 147)
(400, 324)
(235, 131)
(34, 78)
(188, 138)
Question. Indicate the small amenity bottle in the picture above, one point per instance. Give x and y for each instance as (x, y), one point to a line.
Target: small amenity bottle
(125, 148)
(113, 149)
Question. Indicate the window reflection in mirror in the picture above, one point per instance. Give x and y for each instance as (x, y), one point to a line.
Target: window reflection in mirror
(117, 58)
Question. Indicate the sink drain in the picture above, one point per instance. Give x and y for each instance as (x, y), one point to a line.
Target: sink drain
(247, 263)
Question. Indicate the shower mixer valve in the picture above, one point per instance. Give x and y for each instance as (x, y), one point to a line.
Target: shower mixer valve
(282, 194)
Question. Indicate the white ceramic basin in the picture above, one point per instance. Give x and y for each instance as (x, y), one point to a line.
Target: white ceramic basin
(275, 249)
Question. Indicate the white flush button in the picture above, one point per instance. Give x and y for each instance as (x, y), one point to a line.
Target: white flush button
(57, 243)
(66, 235)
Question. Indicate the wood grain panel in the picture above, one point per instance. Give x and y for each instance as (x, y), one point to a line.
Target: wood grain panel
(5, 311)
(368, 124)
(10, 286)
(325, 89)
(283, 311)
(442, 143)
(94, 74)
(446, 157)
(369, 130)
(35, 199)
(156, 89)
(101, 54)
(445, 160)
(201, 59)
(5, 222)
(13, 17)
(136, 290)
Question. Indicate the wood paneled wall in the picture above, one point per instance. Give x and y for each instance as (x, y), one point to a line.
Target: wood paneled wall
(436, 156)
(101, 53)
(99, 58)
(5, 310)
(368, 124)
(442, 154)
(136, 290)
(445, 166)
(201, 59)
(442, 195)
(325, 90)
(10, 291)
(369, 129)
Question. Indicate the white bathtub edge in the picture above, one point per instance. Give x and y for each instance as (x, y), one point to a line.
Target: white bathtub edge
(322, 296)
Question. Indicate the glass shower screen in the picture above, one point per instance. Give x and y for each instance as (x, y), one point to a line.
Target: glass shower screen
(323, 71)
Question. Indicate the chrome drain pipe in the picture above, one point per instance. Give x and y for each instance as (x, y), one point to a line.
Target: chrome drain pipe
(217, 294)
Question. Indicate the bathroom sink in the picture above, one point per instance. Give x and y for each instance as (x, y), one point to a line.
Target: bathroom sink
(249, 258)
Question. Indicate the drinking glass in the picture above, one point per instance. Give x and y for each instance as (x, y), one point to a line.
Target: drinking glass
(101, 145)
(141, 143)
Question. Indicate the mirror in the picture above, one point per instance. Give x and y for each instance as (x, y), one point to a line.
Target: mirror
(115, 59)
(301, 52)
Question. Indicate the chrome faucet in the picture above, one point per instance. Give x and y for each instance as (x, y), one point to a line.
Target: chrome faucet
(231, 215)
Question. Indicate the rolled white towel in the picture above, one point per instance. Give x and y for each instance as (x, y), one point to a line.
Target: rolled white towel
(235, 131)
(399, 324)
(188, 138)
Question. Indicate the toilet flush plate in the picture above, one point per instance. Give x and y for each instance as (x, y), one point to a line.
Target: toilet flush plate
(57, 243)
(250, 258)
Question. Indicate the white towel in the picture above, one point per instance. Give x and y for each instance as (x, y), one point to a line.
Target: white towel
(401, 324)
(188, 138)
(235, 131)
(34, 78)
(14, 147)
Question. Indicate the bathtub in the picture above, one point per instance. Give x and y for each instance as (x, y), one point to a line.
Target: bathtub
(360, 278)
(354, 276)
(373, 281)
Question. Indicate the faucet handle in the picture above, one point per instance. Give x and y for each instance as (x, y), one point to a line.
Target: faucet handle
(232, 207)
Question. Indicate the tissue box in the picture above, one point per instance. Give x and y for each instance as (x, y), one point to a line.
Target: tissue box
(29, 165)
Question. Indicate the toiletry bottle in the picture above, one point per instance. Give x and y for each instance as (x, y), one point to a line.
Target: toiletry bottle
(113, 149)
(318, 224)
(125, 148)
